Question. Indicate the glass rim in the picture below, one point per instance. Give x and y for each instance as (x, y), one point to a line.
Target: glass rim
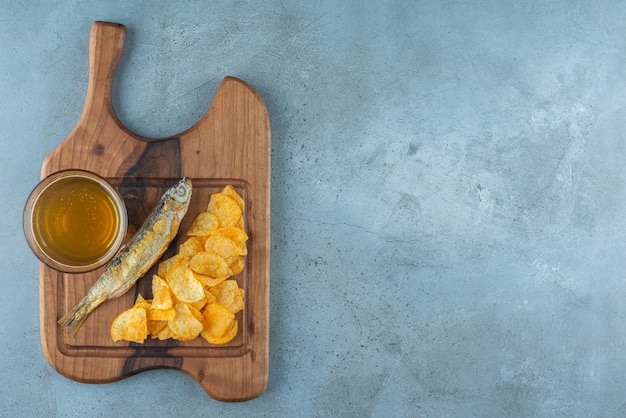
(33, 198)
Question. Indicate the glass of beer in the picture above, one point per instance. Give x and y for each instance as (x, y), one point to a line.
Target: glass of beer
(75, 221)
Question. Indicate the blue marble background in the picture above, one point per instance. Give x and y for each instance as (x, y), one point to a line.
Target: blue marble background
(448, 188)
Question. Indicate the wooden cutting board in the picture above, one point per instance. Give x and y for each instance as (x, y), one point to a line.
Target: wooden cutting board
(229, 145)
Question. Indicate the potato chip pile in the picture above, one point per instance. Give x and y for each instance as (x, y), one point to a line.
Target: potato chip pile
(192, 292)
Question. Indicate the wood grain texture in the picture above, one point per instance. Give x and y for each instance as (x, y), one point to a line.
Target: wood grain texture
(229, 145)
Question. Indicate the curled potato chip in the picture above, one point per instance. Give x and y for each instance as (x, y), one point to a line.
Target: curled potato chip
(155, 327)
(162, 297)
(160, 314)
(232, 232)
(222, 246)
(198, 305)
(140, 302)
(236, 235)
(184, 325)
(237, 303)
(166, 333)
(191, 246)
(225, 209)
(230, 192)
(208, 281)
(224, 292)
(195, 312)
(226, 337)
(209, 297)
(185, 287)
(166, 266)
(203, 224)
(173, 273)
(130, 325)
(209, 264)
(217, 319)
(228, 295)
(237, 266)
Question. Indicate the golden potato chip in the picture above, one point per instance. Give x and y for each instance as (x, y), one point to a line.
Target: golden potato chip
(222, 246)
(140, 302)
(184, 325)
(199, 305)
(195, 312)
(208, 281)
(237, 266)
(185, 287)
(173, 273)
(226, 337)
(209, 264)
(167, 265)
(191, 246)
(209, 297)
(225, 209)
(226, 286)
(130, 325)
(162, 297)
(224, 292)
(155, 327)
(232, 232)
(160, 314)
(228, 295)
(166, 333)
(230, 192)
(217, 319)
(236, 235)
(237, 303)
(203, 224)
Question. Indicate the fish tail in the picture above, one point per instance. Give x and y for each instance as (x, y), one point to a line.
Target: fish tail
(77, 316)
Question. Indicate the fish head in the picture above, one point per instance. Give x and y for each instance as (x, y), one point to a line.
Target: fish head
(182, 190)
(178, 196)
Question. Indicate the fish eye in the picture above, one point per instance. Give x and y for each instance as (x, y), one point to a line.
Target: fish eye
(181, 190)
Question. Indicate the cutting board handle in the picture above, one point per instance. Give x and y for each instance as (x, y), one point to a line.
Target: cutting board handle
(106, 44)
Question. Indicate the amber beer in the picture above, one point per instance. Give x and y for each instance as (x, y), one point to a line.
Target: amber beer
(74, 220)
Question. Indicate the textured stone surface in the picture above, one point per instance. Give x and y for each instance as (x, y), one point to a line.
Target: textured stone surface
(448, 192)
